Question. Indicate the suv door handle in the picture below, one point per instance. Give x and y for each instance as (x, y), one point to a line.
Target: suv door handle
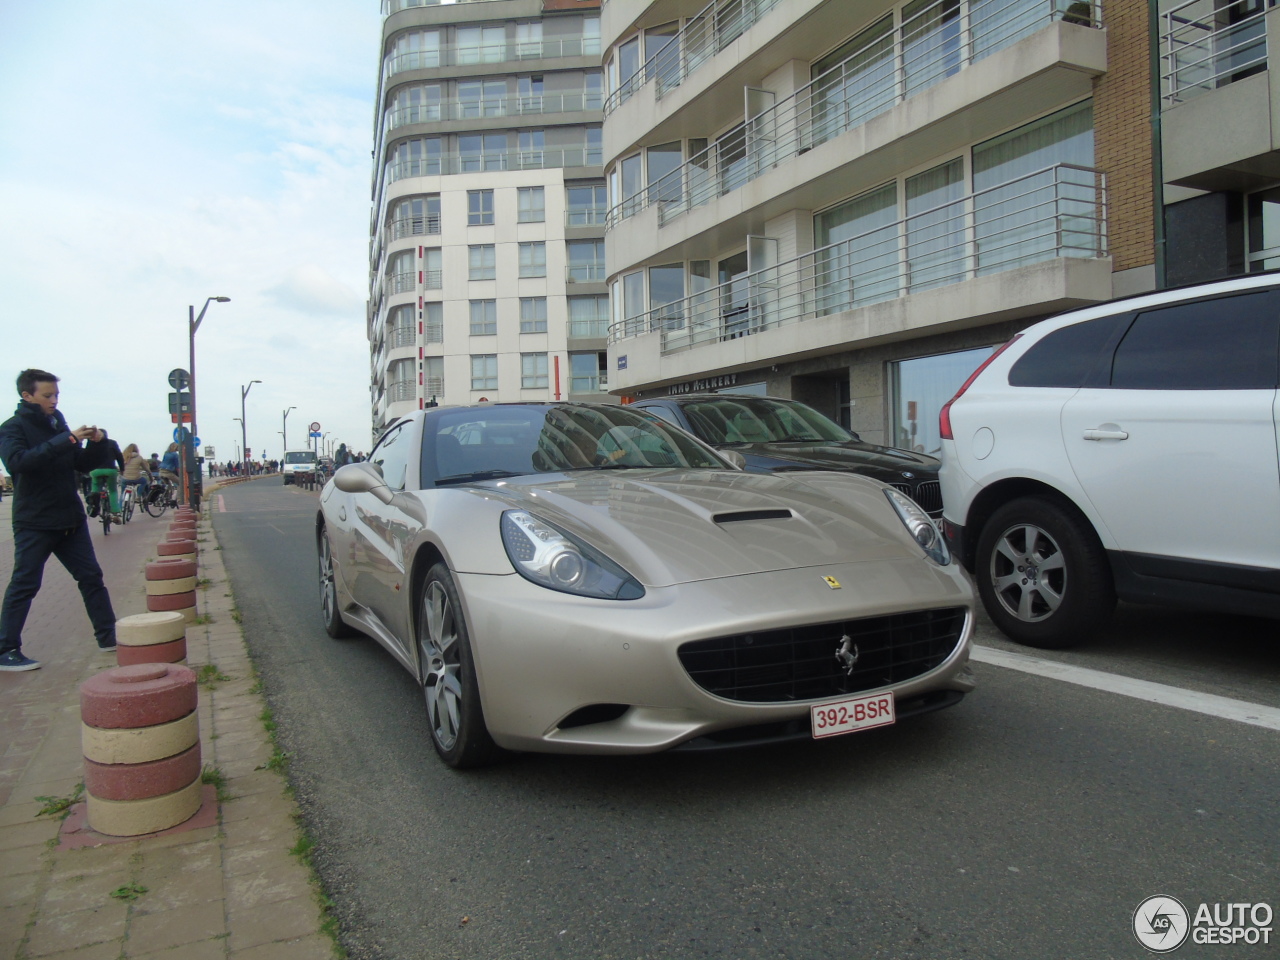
(1107, 431)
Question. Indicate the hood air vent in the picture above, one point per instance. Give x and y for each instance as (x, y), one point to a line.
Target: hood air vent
(744, 515)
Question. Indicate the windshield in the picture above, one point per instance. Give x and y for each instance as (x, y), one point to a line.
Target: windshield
(485, 443)
(300, 456)
(724, 420)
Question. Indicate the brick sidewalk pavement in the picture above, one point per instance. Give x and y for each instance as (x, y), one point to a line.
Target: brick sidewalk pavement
(228, 890)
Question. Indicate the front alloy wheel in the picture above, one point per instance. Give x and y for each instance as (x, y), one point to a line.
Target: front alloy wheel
(448, 677)
(1043, 574)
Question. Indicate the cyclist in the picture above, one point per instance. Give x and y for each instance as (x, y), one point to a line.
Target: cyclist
(169, 467)
(136, 471)
(107, 476)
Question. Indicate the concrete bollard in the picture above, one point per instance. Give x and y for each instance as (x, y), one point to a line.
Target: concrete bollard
(182, 549)
(141, 741)
(184, 528)
(151, 637)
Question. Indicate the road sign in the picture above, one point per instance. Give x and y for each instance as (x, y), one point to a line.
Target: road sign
(179, 379)
(186, 417)
(208, 452)
(315, 434)
(315, 426)
(181, 434)
(180, 403)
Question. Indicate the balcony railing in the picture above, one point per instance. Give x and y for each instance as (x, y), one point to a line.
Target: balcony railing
(588, 329)
(395, 6)
(401, 282)
(924, 50)
(433, 387)
(1206, 46)
(458, 54)
(1056, 212)
(433, 279)
(499, 107)
(597, 384)
(402, 335)
(586, 216)
(443, 164)
(712, 29)
(399, 390)
(413, 226)
(434, 331)
(585, 272)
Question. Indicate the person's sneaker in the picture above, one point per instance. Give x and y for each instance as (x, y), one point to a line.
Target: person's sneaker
(13, 661)
(108, 646)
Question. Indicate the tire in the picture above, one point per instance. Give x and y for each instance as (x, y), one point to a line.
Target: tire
(126, 507)
(334, 625)
(154, 502)
(446, 669)
(104, 511)
(1043, 574)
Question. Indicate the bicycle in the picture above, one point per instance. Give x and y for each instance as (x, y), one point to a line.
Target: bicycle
(161, 494)
(100, 506)
(126, 502)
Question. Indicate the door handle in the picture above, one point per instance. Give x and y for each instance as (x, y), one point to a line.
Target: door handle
(342, 513)
(1106, 431)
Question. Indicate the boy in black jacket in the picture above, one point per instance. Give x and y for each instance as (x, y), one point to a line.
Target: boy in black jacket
(42, 455)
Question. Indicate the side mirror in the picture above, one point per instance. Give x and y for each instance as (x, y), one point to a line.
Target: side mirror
(735, 458)
(363, 478)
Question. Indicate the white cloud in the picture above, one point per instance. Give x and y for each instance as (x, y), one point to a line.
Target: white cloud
(157, 155)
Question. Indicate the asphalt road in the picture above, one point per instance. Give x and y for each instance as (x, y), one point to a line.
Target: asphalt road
(1029, 821)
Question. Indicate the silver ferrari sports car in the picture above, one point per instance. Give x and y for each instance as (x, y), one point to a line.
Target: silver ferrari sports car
(581, 578)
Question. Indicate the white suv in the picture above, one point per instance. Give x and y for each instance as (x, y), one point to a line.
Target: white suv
(1122, 450)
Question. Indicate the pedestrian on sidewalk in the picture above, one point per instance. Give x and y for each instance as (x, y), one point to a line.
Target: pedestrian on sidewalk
(42, 454)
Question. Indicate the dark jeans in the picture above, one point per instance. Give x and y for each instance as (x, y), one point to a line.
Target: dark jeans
(74, 549)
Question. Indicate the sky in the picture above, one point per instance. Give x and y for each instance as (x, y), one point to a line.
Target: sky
(153, 155)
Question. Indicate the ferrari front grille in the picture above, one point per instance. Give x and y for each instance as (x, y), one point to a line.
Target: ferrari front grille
(823, 660)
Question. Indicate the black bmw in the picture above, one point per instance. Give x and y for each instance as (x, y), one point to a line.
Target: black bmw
(775, 435)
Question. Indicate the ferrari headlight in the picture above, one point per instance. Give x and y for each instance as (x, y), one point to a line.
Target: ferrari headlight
(922, 529)
(552, 558)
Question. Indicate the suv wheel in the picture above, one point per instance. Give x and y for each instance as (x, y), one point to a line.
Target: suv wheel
(1043, 574)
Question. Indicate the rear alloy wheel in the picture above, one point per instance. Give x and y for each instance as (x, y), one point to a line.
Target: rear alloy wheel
(448, 676)
(1042, 574)
(334, 625)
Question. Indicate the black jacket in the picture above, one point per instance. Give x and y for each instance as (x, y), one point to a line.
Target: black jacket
(39, 455)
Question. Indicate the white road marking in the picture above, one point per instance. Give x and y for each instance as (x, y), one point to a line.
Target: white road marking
(1240, 711)
(222, 504)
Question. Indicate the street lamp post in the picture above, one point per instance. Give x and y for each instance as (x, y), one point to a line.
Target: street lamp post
(284, 434)
(189, 453)
(244, 434)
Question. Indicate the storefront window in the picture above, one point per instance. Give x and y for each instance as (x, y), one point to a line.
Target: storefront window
(920, 388)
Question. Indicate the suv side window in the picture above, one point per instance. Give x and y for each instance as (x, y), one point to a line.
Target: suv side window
(1225, 344)
(662, 413)
(1065, 357)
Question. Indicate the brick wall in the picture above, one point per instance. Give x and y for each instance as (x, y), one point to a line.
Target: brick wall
(1122, 132)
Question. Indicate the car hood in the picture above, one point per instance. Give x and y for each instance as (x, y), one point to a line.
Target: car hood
(884, 463)
(668, 527)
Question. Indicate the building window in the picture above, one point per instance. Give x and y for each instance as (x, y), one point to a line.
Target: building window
(415, 216)
(481, 44)
(586, 261)
(595, 146)
(432, 272)
(400, 273)
(919, 388)
(533, 259)
(533, 371)
(585, 205)
(482, 152)
(531, 144)
(531, 205)
(479, 208)
(433, 378)
(533, 314)
(484, 371)
(401, 330)
(484, 318)
(482, 98)
(433, 322)
(589, 316)
(414, 158)
(481, 261)
(587, 372)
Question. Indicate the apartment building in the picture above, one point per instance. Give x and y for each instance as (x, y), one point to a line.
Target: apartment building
(486, 249)
(1219, 118)
(852, 204)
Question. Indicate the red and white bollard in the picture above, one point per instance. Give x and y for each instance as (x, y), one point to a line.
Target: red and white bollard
(171, 585)
(179, 548)
(141, 741)
(159, 637)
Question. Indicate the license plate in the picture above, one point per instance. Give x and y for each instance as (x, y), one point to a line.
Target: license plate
(846, 716)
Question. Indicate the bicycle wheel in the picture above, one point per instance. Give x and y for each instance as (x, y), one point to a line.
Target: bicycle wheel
(155, 502)
(126, 504)
(104, 511)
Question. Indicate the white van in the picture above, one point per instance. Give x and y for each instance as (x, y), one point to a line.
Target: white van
(297, 461)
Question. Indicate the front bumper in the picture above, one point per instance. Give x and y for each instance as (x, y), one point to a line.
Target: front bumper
(543, 657)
